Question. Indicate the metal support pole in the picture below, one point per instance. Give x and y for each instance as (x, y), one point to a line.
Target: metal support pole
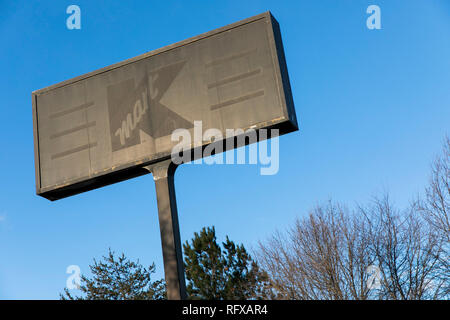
(163, 174)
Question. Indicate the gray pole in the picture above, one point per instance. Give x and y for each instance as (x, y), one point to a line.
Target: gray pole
(163, 174)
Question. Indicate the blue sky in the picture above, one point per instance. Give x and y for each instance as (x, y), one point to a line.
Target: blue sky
(373, 109)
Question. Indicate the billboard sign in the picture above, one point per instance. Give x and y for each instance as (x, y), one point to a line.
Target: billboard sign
(107, 125)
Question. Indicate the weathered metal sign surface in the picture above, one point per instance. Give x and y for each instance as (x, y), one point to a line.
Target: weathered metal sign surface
(105, 126)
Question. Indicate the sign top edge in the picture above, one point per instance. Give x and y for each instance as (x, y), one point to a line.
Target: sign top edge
(264, 15)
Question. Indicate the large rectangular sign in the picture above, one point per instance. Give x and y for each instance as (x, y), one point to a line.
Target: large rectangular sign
(105, 126)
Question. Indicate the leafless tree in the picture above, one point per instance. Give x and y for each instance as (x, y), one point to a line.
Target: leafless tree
(323, 256)
(407, 252)
(373, 252)
(435, 207)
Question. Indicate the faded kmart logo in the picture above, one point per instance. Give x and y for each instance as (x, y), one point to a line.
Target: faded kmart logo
(136, 113)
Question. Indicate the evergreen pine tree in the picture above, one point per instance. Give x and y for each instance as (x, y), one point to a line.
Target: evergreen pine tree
(214, 273)
(118, 278)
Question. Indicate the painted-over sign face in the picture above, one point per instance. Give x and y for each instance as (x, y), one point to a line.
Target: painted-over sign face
(105, 126)
(136, 113)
